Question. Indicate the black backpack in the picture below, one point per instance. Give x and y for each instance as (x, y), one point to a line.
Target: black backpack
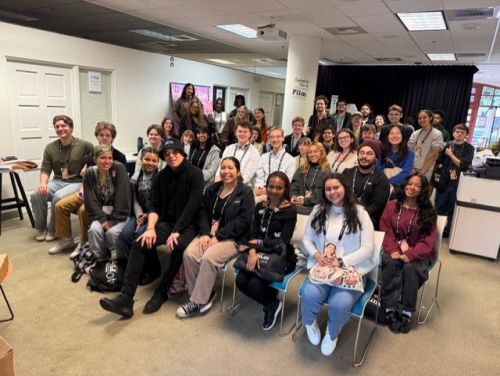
(107, 275)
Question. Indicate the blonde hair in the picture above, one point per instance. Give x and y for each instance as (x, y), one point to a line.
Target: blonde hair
(323, 162)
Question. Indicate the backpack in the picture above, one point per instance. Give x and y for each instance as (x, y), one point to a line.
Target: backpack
(84, 260)
(107, 275)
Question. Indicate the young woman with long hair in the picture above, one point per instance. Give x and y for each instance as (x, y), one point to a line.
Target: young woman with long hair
(204, 154)
(345, 155)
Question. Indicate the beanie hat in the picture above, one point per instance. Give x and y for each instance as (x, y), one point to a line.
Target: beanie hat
(373, 144)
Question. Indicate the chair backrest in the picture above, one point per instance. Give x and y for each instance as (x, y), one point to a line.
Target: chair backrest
(298, 233)
(378, 238)
(440, 224)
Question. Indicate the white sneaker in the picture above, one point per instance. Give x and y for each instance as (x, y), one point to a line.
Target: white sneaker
(61, 246)
(40, 235)
(313, 333)
(75, 252)
(50, 237)
(328, 345)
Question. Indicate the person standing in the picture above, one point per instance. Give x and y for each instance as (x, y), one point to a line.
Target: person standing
(175, 200)
(181, 105)
(437, 122)
(320, 119)
(292, 140)
(455, 158)
(341, 118)
(65, 157)
(369, 184)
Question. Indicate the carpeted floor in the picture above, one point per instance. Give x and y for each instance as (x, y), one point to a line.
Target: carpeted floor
(59, 328)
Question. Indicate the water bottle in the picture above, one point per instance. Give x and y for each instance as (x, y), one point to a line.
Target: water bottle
(140, 144)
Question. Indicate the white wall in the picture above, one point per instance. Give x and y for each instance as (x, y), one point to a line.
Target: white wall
(141, 79)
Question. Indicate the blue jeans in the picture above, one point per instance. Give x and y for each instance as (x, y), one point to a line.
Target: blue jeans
(445, 204)
(57, 190)
(339, 303)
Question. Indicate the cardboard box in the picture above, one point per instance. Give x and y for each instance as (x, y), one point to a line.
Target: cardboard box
(5, 269)
(6, 358)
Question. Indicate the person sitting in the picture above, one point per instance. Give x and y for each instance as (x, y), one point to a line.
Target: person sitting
(169, 129)
(275, 160)
(194, 118)
(394, 115)
(368, 132)
(224, 219)
(303, 147)
(256, 139)
(141, 182)
(292, 140)
(344, 155)
(307, 181)
(239, 100)
(395, 156)
(106, 193)
(337, 220)
(327, 139)
(320, 119)
(155, 139)
(187, 139)
(260, 122)
(274, 219)
(369, 184)
(105, 133)
(409, 223)
(204, 154)
(228, 134)
(244, 152)
(181, 105)
(175, 199)
(65, 157)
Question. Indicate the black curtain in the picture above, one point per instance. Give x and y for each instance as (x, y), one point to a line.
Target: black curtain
(414, 88)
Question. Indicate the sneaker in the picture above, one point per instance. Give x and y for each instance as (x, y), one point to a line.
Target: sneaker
(188, 308)
(328, 344)
(121, 304)
(313, 333)
(50, 237)
(405, 324)
(205, 307)
(75, 252)
(40, 235)
(154, 304)
(61, 246)
(271, 314)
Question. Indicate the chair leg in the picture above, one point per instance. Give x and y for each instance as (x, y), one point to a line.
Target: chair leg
(8, 306)
(298, 323)
(234, 306)
(284, 333)
(222, 292)
(356, 363)
(434, 300)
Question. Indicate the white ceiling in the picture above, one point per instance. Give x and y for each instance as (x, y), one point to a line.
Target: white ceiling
(386, 37)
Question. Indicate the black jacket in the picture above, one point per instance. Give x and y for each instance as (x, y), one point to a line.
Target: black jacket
(236, 221)
(288, 145)
(176, 195)
(316, 126)
(375, 194)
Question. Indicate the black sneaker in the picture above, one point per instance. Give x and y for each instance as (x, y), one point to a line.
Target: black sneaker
(271, 314)
(393, 321)
(121, 304)
(189, 308)
(205, 307)
(405, 324)
(154, 304)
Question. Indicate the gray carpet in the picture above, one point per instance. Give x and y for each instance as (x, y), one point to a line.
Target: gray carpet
(59, 328)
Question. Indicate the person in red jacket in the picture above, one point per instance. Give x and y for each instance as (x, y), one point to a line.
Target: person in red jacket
(409, 223)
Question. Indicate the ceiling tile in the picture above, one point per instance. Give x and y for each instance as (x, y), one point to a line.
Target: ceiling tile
(414, 6)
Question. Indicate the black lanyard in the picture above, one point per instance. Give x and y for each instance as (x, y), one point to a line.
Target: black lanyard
(223, 206)
(265, 229)
(342, 230)
(342, 161)
(398, 235)
(425, 138)
(64, 165)
(364, 186)
(458, 156)
(279, 165)
(237, 147)
(197, 163)
(306, 188)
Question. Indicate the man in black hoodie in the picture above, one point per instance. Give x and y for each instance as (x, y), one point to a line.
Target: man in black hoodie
(175, 197)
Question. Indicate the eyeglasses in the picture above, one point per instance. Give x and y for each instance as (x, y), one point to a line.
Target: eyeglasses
(344, 138)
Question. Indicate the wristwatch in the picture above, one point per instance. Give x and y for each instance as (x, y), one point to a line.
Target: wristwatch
(341, 262)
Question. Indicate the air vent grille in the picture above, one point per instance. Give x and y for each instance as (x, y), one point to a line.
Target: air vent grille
(469, 14)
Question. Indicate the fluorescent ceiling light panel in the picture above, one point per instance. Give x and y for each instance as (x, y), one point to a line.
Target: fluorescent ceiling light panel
(442, 57)
(422, 21)
(221, 61)
(239, 29)
(152, 34)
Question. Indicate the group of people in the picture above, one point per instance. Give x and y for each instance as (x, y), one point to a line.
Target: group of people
(206, 198)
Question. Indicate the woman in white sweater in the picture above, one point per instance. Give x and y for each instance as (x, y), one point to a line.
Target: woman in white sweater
(337, 220)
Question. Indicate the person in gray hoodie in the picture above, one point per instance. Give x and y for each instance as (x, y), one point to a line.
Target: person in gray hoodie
(204, 154)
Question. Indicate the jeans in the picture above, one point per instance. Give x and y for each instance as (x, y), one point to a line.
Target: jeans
(57, 190)
(445, 204)
(100, 241)
(339, 303)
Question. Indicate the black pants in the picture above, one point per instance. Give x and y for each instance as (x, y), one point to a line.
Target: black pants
(256, 288)
(139, 256)
(401, 281)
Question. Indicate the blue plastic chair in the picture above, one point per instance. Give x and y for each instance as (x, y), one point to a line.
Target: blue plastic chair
(358, 309)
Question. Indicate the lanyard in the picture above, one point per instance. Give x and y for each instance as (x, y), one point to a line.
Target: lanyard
(364, 186)
(398, 235)
(237, 147)
(425, 138)
(342, 230)
(340, 162)
(279, 165)
(63, 165)
(223, 206)
(306, 188)
(197, 163)
(265, 229)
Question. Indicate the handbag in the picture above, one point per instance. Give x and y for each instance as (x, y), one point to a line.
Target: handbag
(392, 171)
(272, 259)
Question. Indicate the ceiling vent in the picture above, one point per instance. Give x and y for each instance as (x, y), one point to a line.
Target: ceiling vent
(346, 30)
(469, 54)
(470, 14)
(182, 38)
(388, 59)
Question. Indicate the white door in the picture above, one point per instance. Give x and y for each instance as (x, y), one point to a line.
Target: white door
(37, 93)
(232, 94)
(266, 102)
